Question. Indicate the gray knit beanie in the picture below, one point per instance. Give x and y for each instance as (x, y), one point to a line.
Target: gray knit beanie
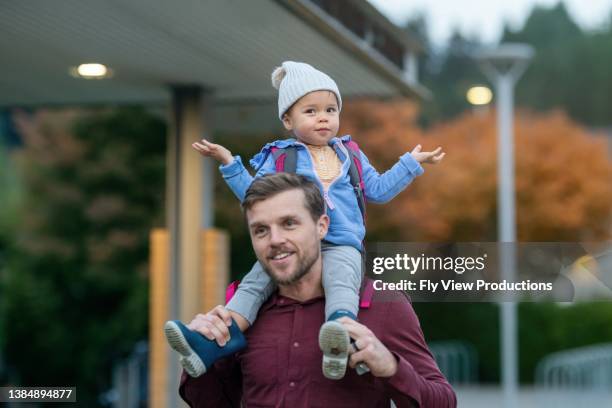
(295, 79)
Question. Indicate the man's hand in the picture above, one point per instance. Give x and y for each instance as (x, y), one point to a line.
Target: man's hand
(371, 351)
(216, 151)
(213, 325)
(427, 157)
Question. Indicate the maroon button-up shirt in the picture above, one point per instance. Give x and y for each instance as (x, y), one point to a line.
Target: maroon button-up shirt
(281, 367)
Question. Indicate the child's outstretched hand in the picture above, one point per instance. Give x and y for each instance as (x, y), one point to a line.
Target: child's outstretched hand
(216, 151)
(427, 157)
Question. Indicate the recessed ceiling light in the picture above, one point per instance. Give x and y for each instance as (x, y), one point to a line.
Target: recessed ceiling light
(91, 71)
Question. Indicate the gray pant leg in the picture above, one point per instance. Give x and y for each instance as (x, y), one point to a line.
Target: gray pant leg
(254, 289)
(342, 275)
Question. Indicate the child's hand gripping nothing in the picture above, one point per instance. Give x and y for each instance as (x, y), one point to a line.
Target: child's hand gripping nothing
(216, 151)
(427, 157)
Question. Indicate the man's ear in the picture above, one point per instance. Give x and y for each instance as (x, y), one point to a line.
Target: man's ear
(287, 122)
(323, 226)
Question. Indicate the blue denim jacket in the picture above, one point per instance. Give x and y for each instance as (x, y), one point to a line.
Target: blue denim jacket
(346, 223)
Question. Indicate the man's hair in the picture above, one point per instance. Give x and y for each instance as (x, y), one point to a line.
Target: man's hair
(272, 184)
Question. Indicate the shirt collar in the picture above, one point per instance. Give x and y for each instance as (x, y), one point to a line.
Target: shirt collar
(278, 300)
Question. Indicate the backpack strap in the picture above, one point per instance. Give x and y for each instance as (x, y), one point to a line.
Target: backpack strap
(366, 296)
(356, 175)
(231, 291)
(285, 159)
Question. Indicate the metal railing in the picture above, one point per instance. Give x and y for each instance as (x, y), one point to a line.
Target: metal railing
(457, 360)
(130, 381)
(581, 368)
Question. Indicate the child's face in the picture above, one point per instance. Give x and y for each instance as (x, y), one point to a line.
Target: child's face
(314, 119)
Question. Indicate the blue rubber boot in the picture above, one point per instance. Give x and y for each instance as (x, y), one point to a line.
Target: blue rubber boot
(334, 341)
(197, 352)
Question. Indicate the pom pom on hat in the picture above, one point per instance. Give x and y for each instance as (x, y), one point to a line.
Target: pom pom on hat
(277, 76)
(296, 79)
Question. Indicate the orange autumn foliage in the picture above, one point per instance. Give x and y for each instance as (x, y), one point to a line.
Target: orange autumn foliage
(563, 176)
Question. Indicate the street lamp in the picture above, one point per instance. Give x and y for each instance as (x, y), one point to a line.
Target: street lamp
(503, 66)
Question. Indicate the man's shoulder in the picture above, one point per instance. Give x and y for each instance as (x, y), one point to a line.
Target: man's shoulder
(383, 301)
(390, 312)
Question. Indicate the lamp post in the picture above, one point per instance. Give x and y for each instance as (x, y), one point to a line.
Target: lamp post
(504, 66)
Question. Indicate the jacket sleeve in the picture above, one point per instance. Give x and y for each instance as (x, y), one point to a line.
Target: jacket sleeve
(239, 179)
(220, 387)
(381, 188)
(418, 380)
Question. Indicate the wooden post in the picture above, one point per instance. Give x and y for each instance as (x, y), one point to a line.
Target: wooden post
(214, 261)
(213, 265)
(159, 283)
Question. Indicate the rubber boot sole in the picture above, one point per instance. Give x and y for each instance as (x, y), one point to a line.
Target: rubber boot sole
(334, 342)
(190, 361)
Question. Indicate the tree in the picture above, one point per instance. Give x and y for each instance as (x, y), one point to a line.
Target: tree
(449, 73)
(551, 28)
(562, 176)
(10, 193)
(570, 68)
(76, 284)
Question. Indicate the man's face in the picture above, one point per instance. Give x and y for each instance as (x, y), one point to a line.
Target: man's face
(314, 118)
(286, 240)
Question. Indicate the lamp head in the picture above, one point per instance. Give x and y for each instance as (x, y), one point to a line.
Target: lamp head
(507, 58)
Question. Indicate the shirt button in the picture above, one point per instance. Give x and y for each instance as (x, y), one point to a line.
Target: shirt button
(292, 384)
(296, 344)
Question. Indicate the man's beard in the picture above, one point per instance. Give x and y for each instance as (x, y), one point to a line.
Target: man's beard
(302, 268)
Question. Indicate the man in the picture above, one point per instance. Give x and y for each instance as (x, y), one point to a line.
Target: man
(281, 365)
